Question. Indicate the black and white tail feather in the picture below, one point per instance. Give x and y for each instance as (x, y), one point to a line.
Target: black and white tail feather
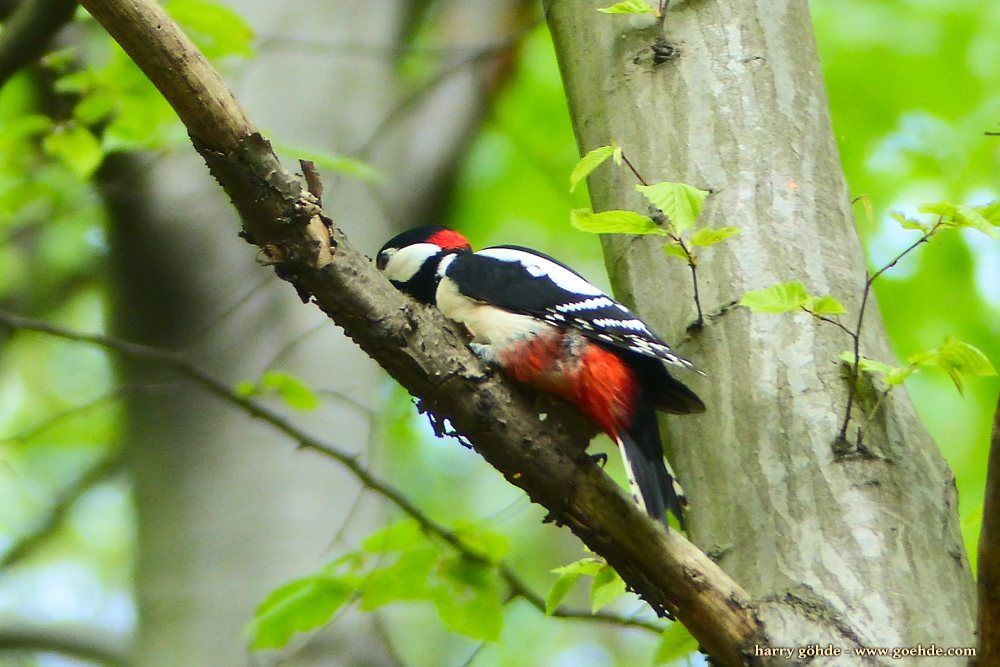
(650, 477)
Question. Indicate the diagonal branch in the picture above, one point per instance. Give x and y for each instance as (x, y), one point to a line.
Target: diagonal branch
(989, 557)
(181, 366)
(25, 544)
(74, 645)
(421, 350)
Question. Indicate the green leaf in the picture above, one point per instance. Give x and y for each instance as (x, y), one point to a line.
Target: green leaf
(680, 202)
(564, 583)
(941, 208)
(824, 305)
(779, 298)
(909, 223)
(292, 390)
(217, 30)
(94, 108)
(406, 579)
(613, 222)
(867, 365)
(628, 7)
(991, 212)
(606, 587)
(247, 388)
(675, 643)
(707, 237)
(590, 162)
(399, 536)
(674, 249)
(968, 216)
(957, 359)
(617, 155)
(341, 164)
(866, 202)
(298, 606)
(953, 215)
(468, 599)
(587, 566)
(491, 546)
(76, 147)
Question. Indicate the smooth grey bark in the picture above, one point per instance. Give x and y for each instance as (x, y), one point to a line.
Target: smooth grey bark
(862, 548)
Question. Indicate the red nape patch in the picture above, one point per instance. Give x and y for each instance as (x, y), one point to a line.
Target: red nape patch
(606, 388)
(448, 239)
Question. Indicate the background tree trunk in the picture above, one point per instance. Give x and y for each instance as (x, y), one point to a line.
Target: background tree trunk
(861, 548)
(224, 515)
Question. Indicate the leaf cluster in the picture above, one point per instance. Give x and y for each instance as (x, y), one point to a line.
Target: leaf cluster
(606, 587)
(399, 563)
(679, 203)
(956, 358)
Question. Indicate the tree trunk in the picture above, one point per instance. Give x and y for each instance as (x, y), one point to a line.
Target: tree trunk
(850, 549)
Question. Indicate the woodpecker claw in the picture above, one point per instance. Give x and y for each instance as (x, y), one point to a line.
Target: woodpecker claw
(550, 518)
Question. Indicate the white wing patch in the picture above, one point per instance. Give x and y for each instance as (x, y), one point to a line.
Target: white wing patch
(539, 266)
(628, 325)
(589, 304)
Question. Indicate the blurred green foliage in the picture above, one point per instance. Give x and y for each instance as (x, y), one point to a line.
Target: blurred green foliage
(913, 87)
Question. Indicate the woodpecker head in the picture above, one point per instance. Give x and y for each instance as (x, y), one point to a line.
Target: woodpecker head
(410, 260)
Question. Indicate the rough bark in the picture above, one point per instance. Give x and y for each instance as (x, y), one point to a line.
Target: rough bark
(989, 557)
(421, 351)
(861, 548)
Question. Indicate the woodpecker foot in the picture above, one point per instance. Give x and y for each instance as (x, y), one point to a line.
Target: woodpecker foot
(600, 459)
(549, 518)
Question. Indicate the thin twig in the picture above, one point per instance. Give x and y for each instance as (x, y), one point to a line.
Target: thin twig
(829, 320)
(693, 265)
(382, 632)
(25, 544)
(628, 163)
(475, 654)
(183, 367)
(78, 644)
(856, 366)
(676, 238)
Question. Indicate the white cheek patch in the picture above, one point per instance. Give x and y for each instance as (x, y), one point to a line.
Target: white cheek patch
(539, 266)
(405, 262)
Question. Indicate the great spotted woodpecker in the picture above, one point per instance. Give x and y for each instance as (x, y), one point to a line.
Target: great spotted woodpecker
(547, 326)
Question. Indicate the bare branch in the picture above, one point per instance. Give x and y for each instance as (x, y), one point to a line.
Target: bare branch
(25, 544)
(856, 334)
(421, 350)
(72, 645)
(988, 624)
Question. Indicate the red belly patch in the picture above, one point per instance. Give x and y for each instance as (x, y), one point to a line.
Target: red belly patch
(597, 381)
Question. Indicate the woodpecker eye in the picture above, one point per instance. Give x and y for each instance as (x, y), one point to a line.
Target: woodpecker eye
(383, 258)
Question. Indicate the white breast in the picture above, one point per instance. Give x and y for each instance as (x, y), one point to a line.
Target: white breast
(487, 324)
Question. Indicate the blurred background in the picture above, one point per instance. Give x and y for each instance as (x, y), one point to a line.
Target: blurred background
(138, 513)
